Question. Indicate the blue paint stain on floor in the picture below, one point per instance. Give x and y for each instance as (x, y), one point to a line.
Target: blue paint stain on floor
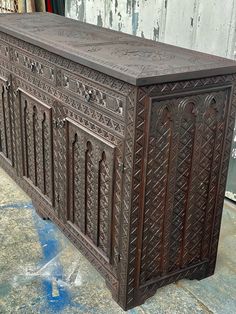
(48, 237)
(17, 206)
(51, 248)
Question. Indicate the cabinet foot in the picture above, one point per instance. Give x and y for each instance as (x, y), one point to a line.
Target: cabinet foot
(41, 214)
(113, 287)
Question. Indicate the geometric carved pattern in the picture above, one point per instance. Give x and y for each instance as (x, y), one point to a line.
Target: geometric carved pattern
(184, 177)
(103, 203)
(212, 140)
(76, 188)
(91, 179)
(4, 50)
(59, 162)
(43, 70)
(66, 64)
(160, 141)
(88, 110)
(124, 235)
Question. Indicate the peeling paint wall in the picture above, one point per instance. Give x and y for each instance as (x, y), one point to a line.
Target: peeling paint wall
(208, 26)
(231, 182)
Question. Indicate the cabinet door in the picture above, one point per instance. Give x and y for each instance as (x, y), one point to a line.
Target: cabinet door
(6, 123)
(37, 149)
(90, 178)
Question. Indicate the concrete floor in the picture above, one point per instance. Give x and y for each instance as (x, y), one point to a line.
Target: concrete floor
(41, 272)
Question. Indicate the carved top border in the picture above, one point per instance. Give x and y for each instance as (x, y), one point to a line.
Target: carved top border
(134, 60)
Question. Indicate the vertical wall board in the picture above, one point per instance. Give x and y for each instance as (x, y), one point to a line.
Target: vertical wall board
(121, 17)
(90, 9)
(214, 27)
(9, 4)
(152, 19)
(142, 18)
(108, 13)
(74, 9)
(94, 12)
(232, 33)
(180, 22)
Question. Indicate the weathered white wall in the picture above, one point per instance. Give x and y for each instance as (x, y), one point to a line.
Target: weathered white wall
(204, 25)
(7, 6)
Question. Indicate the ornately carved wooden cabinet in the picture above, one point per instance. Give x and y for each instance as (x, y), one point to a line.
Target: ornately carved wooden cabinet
(122, 142)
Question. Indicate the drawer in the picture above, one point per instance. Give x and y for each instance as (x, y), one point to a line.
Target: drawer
(94, 94)
(35, 65)
(4, 50)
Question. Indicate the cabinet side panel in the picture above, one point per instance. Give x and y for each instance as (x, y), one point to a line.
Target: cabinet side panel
(176, 215)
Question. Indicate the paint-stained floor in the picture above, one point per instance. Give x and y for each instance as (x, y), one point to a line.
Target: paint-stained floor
(41, 271)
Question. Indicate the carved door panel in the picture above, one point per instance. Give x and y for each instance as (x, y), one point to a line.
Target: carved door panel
(90, 179)
(37, 144)
(6, 123)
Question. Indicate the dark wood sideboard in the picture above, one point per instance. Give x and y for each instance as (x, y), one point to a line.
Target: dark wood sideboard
(123, 142)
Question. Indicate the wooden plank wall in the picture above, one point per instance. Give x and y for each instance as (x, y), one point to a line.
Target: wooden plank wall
(204, 25)
(7, 6)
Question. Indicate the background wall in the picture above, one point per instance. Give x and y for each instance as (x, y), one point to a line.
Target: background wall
(204, 25)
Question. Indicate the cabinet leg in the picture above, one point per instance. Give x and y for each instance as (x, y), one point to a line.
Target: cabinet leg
(42, 214)
(113, 287)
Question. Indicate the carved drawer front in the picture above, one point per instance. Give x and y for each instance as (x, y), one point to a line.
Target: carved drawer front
(35, 65)
(36, 132)
(4, 50)
(90, 175)
(6, 123)
(184, 159)
(94, 94)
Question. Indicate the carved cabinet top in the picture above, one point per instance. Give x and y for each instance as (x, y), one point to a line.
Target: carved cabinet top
(135, 60)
